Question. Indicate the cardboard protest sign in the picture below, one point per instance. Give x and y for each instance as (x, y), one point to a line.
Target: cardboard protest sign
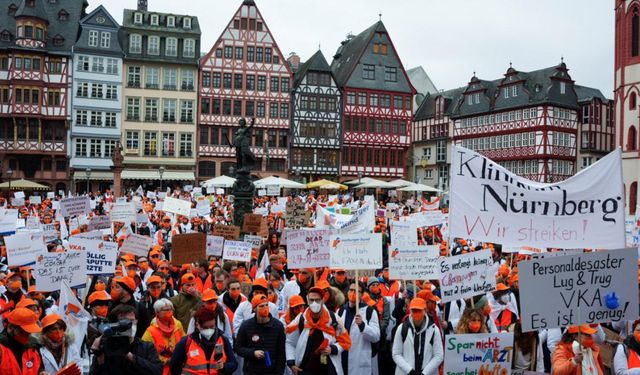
(22, 248)
(103, 259)
(8, 221)
(52, 268)
(356, 251)
(294, 214)
(308, 248)
(214, 245)
(489, 203)
(478, 353)
(75, 206)
(177, 206)
(237, 250)
(137, 244)
(252, 223)
(123, 212)
(229, 232)
(255, 241)
(187, 248)
(576, 289)
(403, 234)
(414, 263)
(467, 275)
(99, 222)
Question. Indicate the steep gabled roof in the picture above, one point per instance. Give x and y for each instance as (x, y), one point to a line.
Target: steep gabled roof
(346, 58)
(32, 9)
(421, 81)
(427, 108)
(316, 63)
(587, 94)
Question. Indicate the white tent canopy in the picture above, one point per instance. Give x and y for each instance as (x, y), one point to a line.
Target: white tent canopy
(220, 181)
(282, 182)
(375, 184)
(362, 180)
(400, 183)
(420, 187)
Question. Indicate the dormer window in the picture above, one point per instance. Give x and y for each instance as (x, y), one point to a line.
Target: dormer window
(506, 92)
(514, 90)
(563, 88)
(5, 36)
(154, 20)
(137, 18)
(12, 9)
(31, 3)
(63, 15)
(58, 40)
(186, 23)
(171, 21)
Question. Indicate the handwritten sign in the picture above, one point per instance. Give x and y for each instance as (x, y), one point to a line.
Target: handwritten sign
(273, 190)
(50, 233)
(479, 353)
(123, 212)
(577, 289)
(252, 223)
(295, 214)
(308, 248)
(414, 263)
(102, 261)
(75, 206)
(137, 244)
(35, 199)
(404, 234)
(100, 222)
(187, 248)
(177, 206)
(356, 251)
(229, 232)
(255, 241)
(52, 268)
(237, 250)
(214, 245)
(22, 248)
(467, 275)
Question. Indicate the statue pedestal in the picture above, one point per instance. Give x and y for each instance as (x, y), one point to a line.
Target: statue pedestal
(243, 191)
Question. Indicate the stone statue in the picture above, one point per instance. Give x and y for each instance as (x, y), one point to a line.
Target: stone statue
(245, 159)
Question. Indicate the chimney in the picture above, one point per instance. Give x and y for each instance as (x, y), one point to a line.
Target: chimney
(293, 60)
(142, 5)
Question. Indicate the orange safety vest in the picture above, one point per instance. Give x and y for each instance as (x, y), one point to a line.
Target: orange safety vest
(162, 342)
(391, 291)
(203, 285)
(197, 363)
(31, 362)
(504, 320)
(633, 361)
(230, 312)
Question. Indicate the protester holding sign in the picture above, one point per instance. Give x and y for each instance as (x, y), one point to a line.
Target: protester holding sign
(577, 354)
(527, 350)
(56, 350)
(627, 358)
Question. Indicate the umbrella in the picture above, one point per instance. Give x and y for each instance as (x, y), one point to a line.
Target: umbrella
(326, 184)
(23, 184)
(220, 181)
(400, 183)
(420, 187)
(279, 181)
(359, 181)
(376, 185)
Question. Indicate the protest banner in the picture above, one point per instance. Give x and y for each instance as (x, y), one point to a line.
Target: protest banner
(255, 241)
(123, 213)
(414, 263)
(237, 250)
(308, 248)
(53, 268)
(214, 245)
(177, 206)
(252, 223)
(229, 232)
(294, 214)
(363, 220)
(75, 206)
(137, 244)
(425, 218)
(467, 275)
(478, 353)
(22, 248)
(50, 233)
(99, 222)
(489, 203)
(356, 251)
(8, 221)
(188, 248)
(102, 260)
(404, 234)
(587, 288)
(273, 190)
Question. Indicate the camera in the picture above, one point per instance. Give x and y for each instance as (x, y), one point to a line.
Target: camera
(115, 340)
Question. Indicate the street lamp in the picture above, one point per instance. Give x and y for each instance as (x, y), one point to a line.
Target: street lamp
(88, 172)
(161, 172)
(9, 174)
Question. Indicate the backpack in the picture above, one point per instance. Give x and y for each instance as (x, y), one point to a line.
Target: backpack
(405, 331)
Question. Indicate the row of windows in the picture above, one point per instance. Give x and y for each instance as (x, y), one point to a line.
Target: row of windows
(562, 139)
(94, 148)
(380, 100)
(220, 135)
(96, 118)
(54, 66)
(319, 79)
(370, 157)
(247, 24)
(97, 64)
(152, 110)
(160, 143)
(320, 103)
(596, 140)
(562, 167)
(154, 45)
(249, 82)
(500, 141)
(315, 158)
(30, 32)
(318, 129)
(527, 113)
(375, 125)
(154, 20)
(96, 91)
(104, 37)
(228, 107)
(30, 96)
(169, 78)
(563, 114)
(390, 73)
(253, 54)
(30, 130)
(521, 167)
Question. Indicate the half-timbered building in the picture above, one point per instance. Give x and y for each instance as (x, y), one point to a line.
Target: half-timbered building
(36, 39)
(244, 75)
(315, 127)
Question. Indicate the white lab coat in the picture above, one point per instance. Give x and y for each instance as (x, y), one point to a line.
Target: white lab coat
(360, 362)
(403, 353)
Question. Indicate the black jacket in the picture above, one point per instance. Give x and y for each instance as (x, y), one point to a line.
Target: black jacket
(269, 337)
(146, 361)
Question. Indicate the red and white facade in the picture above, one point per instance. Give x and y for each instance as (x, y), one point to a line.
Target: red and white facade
(244, 75)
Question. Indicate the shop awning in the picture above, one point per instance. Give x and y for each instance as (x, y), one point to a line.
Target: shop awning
(147, 174)
(93, 176)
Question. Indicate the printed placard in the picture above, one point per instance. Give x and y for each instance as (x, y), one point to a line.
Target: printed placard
(308, 248)
(237, 250)
(99, 222)
(123, 212)
(478, 353)
(83, 244)
(52, 268)
(273, 190)
(229, 232)
(467, 275)
(137, 244)
(23, 248)
(50, 233)
(177, 206)
(414, 263)
(35, 199)
(255, 241)
(75, 206)
(8, 221)
(102, 261)
(214, 245)
(356, 251)
(587, 288)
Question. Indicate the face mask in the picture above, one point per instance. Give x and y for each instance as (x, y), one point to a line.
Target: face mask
(588, 342)
(155, 293)
(352, 296)
(263, 311)
(220, 286)
(341, 278)
(385, 274)
(115, 294)
(131, 273)
(234, 294)
(417, 316)
(101, 311)
(15, 285)
(504, 299)
(207, 333)
(56, 337)
(234, 274)
(166, 315)
(315, 307)
(636, 335)
(475, 326)
(272, 298)
(275, 284)
(302, 277)
(100, 287)
(375, 289)
(132, 331)
(22, 338)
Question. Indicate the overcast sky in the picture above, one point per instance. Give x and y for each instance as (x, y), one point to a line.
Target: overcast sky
(450, 38)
